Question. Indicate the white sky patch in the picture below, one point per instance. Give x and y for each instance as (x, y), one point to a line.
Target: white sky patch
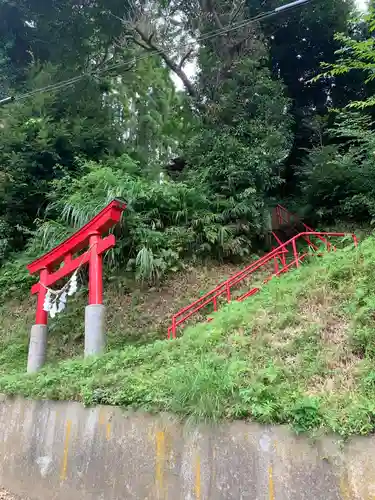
(362, 5)
(190, 69)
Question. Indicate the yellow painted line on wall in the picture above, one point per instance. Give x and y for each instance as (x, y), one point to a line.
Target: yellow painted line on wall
(159, 462)
(64, 467)
(101, 416)
(198, 484)
(345, 487)
(344, 490)
(108, 431)
(271, 488)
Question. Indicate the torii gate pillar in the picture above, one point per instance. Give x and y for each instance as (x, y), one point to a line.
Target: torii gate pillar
(95, 311)
(59, 263)
(38, 334)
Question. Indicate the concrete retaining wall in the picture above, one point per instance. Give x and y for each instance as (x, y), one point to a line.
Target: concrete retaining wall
(63, 451)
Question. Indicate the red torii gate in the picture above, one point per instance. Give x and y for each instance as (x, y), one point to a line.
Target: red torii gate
(59, 263)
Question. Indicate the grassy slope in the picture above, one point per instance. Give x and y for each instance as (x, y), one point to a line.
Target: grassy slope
(300, 352)
(137, 315)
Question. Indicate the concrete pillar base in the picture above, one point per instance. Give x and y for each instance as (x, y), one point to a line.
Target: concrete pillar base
(94, 329)
(37, 348)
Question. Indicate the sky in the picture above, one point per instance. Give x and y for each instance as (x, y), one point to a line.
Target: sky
(362, 4)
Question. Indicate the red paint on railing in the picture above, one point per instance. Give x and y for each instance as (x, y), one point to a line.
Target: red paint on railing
(224, 289)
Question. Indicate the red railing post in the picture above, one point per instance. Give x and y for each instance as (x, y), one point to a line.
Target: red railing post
(294, 246)
(282, 257)
(308, 241)
(228, 292)
(276, 264)
(215, 303)
(174, 327)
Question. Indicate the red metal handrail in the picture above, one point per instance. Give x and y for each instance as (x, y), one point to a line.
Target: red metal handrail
(284, 216)
(224, 288)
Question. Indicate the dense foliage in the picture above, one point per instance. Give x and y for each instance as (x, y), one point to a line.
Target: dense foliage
(252, 124)
(338, 175)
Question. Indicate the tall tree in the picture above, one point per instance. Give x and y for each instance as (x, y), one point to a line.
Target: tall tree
(154, 116)
(41, 138)
(355, 58)
(230, 91)
(299, 40)
(338, 175)
(245, 129)
(77, 34)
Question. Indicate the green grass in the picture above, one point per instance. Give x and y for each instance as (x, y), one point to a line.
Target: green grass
(137, 314)
(300, 352)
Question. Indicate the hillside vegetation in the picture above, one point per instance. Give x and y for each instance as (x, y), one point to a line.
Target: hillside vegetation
(300, 352)
(279, 109)
(137, 314)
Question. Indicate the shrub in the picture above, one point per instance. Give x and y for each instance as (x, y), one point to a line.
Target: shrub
(163, 224)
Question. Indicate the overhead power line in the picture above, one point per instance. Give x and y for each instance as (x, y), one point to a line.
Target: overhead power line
(6, 100)
(212, 34)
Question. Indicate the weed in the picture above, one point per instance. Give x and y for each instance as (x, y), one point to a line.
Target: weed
(299, 352)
